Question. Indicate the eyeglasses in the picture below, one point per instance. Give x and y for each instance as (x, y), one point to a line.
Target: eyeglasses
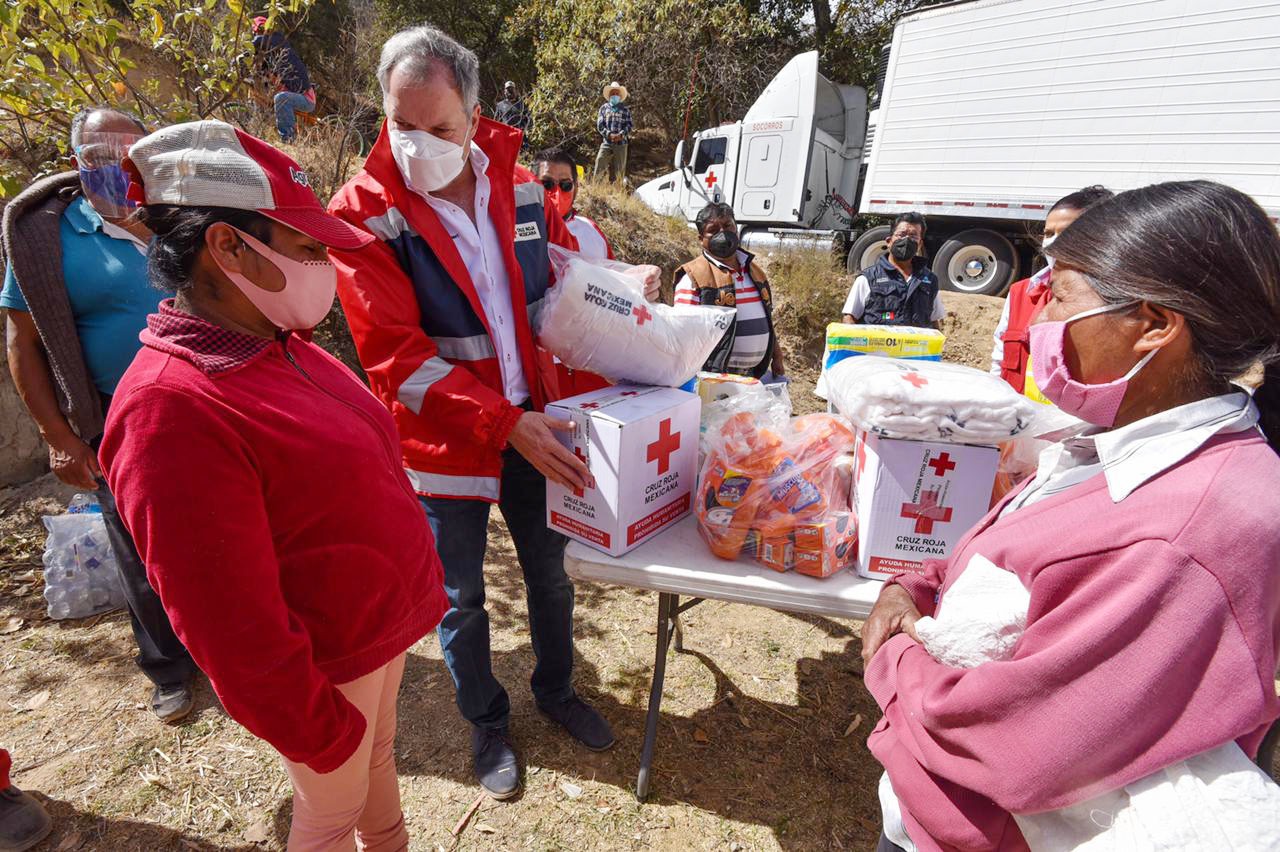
(565, 185)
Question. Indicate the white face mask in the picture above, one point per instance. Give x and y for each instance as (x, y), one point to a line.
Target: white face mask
(427, 163)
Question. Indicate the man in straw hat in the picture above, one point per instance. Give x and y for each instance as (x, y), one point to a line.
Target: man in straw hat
(613, 123)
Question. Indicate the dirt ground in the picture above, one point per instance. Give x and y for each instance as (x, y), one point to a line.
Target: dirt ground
(761, 743)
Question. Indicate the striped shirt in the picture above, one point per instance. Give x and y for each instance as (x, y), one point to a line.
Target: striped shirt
(751, 326)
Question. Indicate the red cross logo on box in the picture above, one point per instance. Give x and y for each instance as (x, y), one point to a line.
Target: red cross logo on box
(943, 464)
(926, 512)
(710, 179)
(642, 314)
(660, 450)
(916, 379)
(577, 451)
(590, 406)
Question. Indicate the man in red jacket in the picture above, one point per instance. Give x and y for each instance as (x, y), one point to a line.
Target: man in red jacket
(442, 308)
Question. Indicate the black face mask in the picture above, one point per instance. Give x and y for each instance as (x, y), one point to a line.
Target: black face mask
(723, 245)
(904, 248)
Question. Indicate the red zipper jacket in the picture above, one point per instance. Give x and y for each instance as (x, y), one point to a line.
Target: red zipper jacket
(418, 324)
(262, 484)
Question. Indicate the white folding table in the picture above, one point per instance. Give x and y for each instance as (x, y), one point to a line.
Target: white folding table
(677, 562)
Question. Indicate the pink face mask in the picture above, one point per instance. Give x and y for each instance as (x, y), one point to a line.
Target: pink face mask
(1096, 404)
(307, 295)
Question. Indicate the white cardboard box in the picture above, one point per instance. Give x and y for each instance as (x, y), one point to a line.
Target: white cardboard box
(641, 446)
(915, 500)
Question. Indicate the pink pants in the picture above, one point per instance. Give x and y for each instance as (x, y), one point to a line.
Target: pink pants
(357, 806)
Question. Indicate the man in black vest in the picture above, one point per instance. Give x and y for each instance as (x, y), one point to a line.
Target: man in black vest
(900, 289)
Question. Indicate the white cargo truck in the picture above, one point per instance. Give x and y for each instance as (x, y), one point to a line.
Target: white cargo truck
(988, 111)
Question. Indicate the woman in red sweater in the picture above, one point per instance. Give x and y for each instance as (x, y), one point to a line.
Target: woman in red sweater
(262, 481)
(1138, 643)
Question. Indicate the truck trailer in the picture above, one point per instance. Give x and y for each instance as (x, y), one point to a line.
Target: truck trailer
(985, 113)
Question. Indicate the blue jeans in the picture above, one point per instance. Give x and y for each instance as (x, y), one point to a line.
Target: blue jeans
(287, 105)
(460, 528)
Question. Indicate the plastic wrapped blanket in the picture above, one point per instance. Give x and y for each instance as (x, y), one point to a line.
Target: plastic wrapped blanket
(928, 401)
(1216, 800)
(596, 318)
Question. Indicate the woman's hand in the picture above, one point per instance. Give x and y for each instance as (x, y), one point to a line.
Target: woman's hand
(894, 612)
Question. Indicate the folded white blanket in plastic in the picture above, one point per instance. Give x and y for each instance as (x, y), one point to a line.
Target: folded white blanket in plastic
(1217, 800)
(928, 401)
(596, 318)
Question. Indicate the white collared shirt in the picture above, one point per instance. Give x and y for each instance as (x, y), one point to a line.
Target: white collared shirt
(1134, 454)
(481, 250)
(117, 233)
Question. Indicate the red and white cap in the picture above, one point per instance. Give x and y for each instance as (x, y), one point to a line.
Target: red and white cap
(212, 164)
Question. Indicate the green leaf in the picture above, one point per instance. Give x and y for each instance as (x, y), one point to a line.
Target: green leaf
(34, 62)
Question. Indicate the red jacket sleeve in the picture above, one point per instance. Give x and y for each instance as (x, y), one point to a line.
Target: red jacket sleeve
(399, 358)
(1131, 661)
(190, 492)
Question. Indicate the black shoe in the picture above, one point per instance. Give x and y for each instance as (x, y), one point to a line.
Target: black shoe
(495, 762)
(23, 822)
(582, 722)
(172, 702)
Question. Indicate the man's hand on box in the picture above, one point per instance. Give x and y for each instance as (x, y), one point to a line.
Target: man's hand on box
(894, 612)
(533, 437)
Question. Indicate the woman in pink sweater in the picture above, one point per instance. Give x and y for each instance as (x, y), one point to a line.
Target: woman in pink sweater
(1152, 619)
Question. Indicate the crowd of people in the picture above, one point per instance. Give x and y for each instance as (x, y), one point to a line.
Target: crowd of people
(299, 599)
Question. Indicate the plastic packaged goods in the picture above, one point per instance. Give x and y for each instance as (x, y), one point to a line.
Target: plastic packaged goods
(596, 318)
(846, 340)
(81, 575)
(725, 396)
(780, 495)
(928, 401)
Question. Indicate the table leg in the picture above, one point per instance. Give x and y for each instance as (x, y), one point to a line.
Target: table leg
(678, 630)
(667, 605)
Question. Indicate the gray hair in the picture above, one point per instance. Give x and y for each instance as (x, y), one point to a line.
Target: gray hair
(82, 117)
(423, 51)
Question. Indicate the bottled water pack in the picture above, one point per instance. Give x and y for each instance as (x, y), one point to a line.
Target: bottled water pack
(81, 576)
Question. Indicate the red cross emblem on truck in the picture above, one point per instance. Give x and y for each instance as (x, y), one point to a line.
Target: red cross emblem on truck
(660, 450)
(710, 179)
(926, 512)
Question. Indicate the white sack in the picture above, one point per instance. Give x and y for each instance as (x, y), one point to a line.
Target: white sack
(928, 401)
(596, 318)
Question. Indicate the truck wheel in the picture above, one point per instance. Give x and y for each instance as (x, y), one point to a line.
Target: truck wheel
(868, 249)
(976, 261)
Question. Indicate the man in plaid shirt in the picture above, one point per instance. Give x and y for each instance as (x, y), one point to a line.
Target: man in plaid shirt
(613, 123)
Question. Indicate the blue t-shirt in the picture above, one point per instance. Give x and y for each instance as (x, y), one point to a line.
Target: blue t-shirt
(106, 280)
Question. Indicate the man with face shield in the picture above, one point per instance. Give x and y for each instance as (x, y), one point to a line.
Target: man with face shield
(728, 276)
(442, 308)
(76, 296)
(900, 288)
